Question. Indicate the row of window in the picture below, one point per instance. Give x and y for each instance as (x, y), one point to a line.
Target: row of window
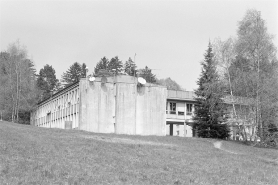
(47, 119)
(61, 101)
(173, 109)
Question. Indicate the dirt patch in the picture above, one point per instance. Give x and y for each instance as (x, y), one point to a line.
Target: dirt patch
(218, 145)
(125, 141)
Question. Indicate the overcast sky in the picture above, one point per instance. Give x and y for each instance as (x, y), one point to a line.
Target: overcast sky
(167, 36)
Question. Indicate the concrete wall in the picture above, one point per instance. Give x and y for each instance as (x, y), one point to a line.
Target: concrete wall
(150, 110)
(120, 106)
(97, 106)
(117, 106)
(126, 108)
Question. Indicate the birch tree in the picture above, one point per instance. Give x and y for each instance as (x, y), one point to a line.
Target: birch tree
(18, 83)
(249, 67)
(256, 45)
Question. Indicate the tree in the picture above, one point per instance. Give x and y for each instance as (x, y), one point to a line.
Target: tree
(251, 71)
(47, 81)
(116, 65)
(83, 71)
(102, 64)
(4, 83)
(255, 46)
(18, 87)
(209, 109)
(170, 84)
(147, 74)
(130, 67)
(74, 73)
(250, 65)
(225, 57)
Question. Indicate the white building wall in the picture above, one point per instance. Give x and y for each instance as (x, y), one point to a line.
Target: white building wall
(61, 107)
(180, 128)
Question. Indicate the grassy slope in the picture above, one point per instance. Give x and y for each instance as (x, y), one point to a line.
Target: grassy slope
(31, 155)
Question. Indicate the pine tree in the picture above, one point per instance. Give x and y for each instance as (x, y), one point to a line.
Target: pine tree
(83, 71)
(209, 109)
(130, 67)
(147, 74)
(74, 73)
(115, 64)
(102, 64)
(47, 81)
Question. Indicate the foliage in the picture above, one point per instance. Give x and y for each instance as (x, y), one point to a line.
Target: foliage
(209, 108)
(18, 84)
(256, 46)
(115, 65)
(130, 67)
(47, 81)
(83, 70)
(251, 71)
(169, 83)
(102, 64)
(147, 74)
(74, 73)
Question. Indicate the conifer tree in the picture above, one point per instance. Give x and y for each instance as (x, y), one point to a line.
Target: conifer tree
(101, 65)
(130, 67)
(47, 81)
(209, 109)
(74, 73)
(83, 70)
(115, 64)
(147, 74)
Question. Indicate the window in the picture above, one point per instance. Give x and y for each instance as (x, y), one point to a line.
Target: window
(172, 108)
(180, 113)
(188, 109)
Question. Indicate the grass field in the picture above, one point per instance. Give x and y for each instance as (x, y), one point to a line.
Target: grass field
(32, 155)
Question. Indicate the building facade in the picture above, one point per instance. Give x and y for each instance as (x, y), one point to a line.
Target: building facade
(122, 105)
(116, 104)
(179, 113)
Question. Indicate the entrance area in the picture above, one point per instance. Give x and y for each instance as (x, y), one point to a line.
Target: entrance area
(180, 129)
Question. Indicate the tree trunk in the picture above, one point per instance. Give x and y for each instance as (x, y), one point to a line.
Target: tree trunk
(231, 92)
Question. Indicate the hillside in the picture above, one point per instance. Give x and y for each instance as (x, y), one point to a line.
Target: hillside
(32, 155)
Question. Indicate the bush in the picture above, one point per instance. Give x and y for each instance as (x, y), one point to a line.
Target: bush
(220, 131)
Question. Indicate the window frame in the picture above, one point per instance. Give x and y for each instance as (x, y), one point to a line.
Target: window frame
(172, 107)
(189, 106)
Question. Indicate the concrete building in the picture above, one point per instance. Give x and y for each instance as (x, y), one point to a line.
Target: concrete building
(179, 112)
(114, 105)
(121, 105)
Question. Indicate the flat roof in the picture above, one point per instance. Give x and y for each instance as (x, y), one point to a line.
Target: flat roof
(181, 95)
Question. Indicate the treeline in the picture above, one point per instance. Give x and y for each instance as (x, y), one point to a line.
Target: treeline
(21, 88)
(115, 65)
(244, 66)
(18, 92)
